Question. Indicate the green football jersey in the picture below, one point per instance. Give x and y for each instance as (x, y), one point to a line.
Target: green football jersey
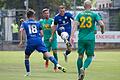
(46, 27)
(87, 25)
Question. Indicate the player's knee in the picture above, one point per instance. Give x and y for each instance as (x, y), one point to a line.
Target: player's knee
(69, 49)
(47, 54)
(27, 57)
(55, 51)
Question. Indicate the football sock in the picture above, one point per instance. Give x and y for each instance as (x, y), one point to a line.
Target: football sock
(79, 64)
(53, 60)
(68, 52)
(55, 56)
(27, 65)
(87, 62)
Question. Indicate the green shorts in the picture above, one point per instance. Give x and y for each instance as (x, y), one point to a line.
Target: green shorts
(86, 46)
(51, 45)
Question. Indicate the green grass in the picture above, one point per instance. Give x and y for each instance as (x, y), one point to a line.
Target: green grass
(106, 66)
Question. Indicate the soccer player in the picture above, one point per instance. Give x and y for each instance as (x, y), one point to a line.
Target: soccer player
(62, 23)
(34, 40)
(86, 37)
(46, 23)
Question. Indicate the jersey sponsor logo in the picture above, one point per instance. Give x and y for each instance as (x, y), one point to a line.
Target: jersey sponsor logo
(47, 26)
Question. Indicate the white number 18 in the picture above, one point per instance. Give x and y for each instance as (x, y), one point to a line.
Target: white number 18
(32, 29)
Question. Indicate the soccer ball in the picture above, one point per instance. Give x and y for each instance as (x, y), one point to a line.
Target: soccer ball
(64, 35)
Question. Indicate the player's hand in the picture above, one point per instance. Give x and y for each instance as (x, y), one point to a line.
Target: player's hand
(20, 44)
(50, 39)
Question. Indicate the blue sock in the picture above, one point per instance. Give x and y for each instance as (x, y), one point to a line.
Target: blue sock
(27, 65)
(87, 62)
(53, 60)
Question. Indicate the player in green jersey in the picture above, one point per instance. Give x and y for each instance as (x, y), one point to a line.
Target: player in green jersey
(86, 37)
(46, 23)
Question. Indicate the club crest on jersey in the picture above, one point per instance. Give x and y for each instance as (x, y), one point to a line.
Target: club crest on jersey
(63, 22)
(65, 17)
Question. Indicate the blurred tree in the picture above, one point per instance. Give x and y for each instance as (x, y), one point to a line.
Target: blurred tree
(2, 3)
(37, 5)
(14, 4)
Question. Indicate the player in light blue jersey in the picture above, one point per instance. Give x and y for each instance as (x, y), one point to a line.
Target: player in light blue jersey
(62, 23)
(33, 31)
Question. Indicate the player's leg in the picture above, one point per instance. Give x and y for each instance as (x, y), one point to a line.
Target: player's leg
(54, 45)
(64, 35)
(89, 47)
(47, 43)
(59, 31)
(89, 52)
(68, 45)
(54, 49)
(42, 48)
(28, 51)
(53, 60)
(81, 50)
(56, 57)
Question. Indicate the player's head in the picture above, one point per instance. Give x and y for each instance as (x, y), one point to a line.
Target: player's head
(30, 13)
(62, 10)
(46, 13)
(87, 4)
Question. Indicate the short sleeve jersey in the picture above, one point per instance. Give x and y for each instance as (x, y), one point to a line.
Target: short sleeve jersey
(87, 21)
(46, 27)
(32, 29)
(63, 21)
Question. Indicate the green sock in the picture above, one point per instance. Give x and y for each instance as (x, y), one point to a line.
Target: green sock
(55, 56)
(79, 64)
(87, 62)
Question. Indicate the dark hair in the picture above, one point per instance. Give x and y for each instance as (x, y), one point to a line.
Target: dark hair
(30, 13)
(45, 9)
(61, 7)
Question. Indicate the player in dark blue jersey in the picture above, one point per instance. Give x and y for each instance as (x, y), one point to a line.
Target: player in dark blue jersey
(34, 40)
(62, 23)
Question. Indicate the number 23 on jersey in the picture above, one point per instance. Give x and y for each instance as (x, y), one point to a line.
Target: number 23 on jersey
(86, 22)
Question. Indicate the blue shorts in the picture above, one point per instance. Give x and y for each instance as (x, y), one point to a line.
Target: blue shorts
(40, 47)
(68, 31)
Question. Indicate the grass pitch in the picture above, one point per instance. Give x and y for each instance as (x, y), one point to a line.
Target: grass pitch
(105, 66)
